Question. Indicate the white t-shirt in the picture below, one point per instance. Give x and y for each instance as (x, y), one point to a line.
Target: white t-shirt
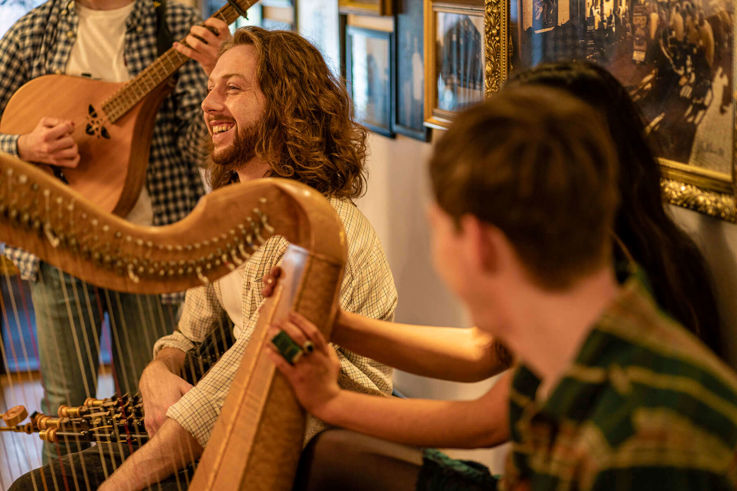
(98, 54)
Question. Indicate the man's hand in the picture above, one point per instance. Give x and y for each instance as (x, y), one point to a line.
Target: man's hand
(160, 389)
(202, 44)
(314, 377)
(172, 448)
(269, 281)
(50, 142)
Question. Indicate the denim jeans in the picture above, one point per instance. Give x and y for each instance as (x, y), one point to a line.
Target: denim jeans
(69, 316)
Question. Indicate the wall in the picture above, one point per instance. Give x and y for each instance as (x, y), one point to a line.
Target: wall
(397, 196)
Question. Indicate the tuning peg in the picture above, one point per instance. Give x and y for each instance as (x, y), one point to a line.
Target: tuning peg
(15, 415)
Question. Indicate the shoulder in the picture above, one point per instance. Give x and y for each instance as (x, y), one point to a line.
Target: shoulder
(181, 17)
(368, 285)
(659, 411)
(37, 20)
(357, 226)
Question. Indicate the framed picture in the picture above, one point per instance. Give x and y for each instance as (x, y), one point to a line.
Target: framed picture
(319, 22)
(676, 58)
(410, 96)
(366, 7)
(454, 58)
(368, 65)
(276, 25)
(209, 7)
(277, 18)
(277, 3)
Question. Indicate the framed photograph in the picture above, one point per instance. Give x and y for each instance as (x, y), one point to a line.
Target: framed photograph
(276, 25)
(454, 58)
(209, 7)
(366, 7)
(277, 3)
(410, 97)
(368, 64)
(319, 22)
(676, 58)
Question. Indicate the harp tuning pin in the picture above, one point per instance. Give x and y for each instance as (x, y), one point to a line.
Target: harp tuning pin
(238, 261)
(53, 239)
(202, 277)
(15, 415)
(48, 435)
(134, 278)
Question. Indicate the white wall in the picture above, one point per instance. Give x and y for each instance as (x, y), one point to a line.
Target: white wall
(397, 196)
(398, 193)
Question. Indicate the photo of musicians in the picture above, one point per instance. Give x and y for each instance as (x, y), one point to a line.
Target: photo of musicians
(674, 56)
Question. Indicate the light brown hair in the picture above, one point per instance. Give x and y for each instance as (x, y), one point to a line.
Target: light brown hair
(307, 131)
(539, 165)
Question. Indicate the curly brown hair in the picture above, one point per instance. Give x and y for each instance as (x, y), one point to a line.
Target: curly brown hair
(307, 132)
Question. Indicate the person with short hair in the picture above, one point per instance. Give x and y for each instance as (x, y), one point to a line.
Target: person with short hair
(608, 393)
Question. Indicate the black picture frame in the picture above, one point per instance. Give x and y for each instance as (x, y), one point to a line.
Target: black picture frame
(369, 63)
(409, 117)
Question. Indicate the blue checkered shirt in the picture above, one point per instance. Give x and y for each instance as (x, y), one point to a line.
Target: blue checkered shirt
(40, 43)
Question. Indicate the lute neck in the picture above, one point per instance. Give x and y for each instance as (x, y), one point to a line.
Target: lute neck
(159, 71)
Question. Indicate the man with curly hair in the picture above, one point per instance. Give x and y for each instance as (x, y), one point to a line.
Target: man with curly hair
(273, 109)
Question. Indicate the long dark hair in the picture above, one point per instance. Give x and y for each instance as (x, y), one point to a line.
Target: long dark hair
(676, 269)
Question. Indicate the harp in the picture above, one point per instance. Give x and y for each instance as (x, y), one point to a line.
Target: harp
(258, 437)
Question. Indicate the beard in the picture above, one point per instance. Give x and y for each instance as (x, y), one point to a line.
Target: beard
(240, 152)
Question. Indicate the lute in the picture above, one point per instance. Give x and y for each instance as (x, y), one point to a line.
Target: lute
(114, 122)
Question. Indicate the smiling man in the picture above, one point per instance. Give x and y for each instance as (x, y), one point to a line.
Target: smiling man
(273, 109)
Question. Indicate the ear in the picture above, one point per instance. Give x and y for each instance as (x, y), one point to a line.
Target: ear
(480, 245)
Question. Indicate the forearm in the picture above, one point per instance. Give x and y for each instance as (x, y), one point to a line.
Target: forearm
(450, 353)
(427, 423)
(172, 358)
(171, 449)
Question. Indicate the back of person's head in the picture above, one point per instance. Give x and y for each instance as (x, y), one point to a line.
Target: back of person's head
(674, 265)
(307, 132)
(537, 164)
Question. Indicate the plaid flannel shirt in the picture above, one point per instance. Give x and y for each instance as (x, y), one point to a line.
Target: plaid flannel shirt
(367, 288)
(645, 405)
(40, 43)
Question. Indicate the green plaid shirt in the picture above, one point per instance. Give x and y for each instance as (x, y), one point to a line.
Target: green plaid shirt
(644, 406)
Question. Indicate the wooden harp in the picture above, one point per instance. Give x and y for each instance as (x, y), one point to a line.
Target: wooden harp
(258, 438)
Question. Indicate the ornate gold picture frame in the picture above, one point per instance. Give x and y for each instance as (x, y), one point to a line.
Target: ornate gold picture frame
(366, 7)
(690, 73)
(454, 58)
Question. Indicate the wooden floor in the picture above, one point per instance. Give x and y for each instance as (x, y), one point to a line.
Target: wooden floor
(20, 452)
